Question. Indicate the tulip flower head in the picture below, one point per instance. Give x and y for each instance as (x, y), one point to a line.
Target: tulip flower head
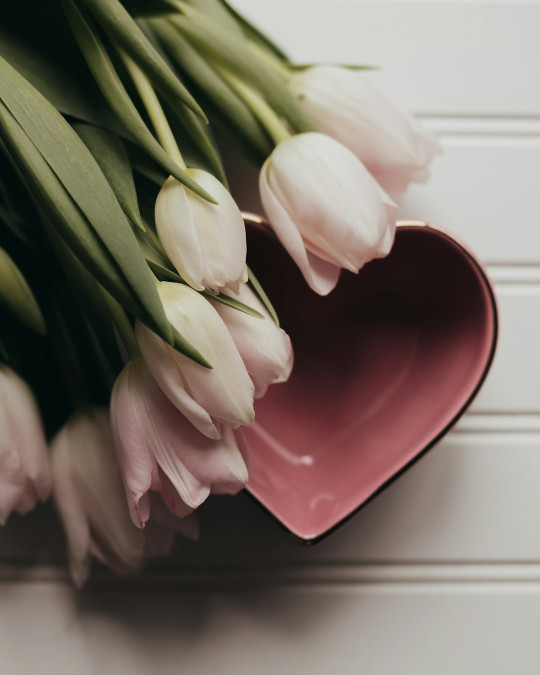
(161, 451)
(25, 475)
(90, 498)
(205, 242)
(207, 397)
(345, 104)
(325, 208)
(264, 347)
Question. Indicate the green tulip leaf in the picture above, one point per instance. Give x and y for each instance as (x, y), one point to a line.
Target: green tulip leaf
(123, 30)
(89, 292)
(227, 300)
(254, 34)
(230, 110)
(17, 297)
(53, 65)
(149, 7)
(81, 176)
(237, 55)
(259, 291)
(114, 91)
(112, 158)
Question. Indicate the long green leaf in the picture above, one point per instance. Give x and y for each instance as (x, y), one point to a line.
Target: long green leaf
(219, 13)
(16, 295)
(236, 54)
(89, 293)
(110, 153)
(211, 86)
(122, 29)
(79, 172)
(36, 39)
(114, 91)
(254, 34)
(11, 203)
(53, 199)
(61, 211)
(149, 7)
(198, 132)
(224, 299)
(259, 290)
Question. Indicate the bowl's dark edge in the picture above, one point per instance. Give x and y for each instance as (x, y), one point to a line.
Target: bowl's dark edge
(445, 430)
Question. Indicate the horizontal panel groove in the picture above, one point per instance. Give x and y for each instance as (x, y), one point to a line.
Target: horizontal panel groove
(498, 422)
(502, 274)
(505, 126)
(410, 573)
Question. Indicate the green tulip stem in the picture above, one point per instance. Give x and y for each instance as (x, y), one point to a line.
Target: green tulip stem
(123, 325)
(257, 104)
(154, 109)
(277, 66)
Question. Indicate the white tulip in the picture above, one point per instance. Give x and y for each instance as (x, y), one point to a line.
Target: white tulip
(325, 208)
(160, 451)
(205, 242)
(207, 397)
(25, 474)
(264, 347)
(346, 105)
(90, 498)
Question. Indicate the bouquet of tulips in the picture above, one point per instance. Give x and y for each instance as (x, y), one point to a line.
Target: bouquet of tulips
(134, 338)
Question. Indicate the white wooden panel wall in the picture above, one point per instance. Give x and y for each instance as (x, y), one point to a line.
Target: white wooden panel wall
(441, 573)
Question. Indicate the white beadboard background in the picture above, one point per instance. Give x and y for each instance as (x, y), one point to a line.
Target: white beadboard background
(441, 573)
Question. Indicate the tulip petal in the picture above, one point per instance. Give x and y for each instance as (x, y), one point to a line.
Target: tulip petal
(69, 504)
(138, 466)
(324, 205)
(161, 360)
(192, 462)
(321, 275)
(98, 475)
(205, 242)
(347, 106)
(177, 231)
(222, 394)
(221, 231)
(25, 474)
(264, 347)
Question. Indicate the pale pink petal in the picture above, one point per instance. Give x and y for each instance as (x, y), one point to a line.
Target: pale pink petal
(321, 276)
(191, 461)
(70, 506)
(96, 469)
(177, 231)
(25, 474)
(164, 365)
(346, 105)
(264, 347)
(206, 396)
(221, 232)
(137, 463)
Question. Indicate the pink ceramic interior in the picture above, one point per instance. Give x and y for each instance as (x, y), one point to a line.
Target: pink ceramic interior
(384, 365)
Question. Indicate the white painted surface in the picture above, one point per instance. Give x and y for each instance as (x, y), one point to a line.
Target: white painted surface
(441, 573)
(362, 628)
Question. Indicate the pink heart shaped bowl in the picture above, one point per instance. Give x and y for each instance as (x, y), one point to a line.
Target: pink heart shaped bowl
(384, 366)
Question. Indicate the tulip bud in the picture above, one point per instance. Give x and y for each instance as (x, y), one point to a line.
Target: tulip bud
(90, 498)
(205, 242)
(264, 347)
(345, 104)
(207, 397)
(325, 208)
(25, 474)
(160, 450)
